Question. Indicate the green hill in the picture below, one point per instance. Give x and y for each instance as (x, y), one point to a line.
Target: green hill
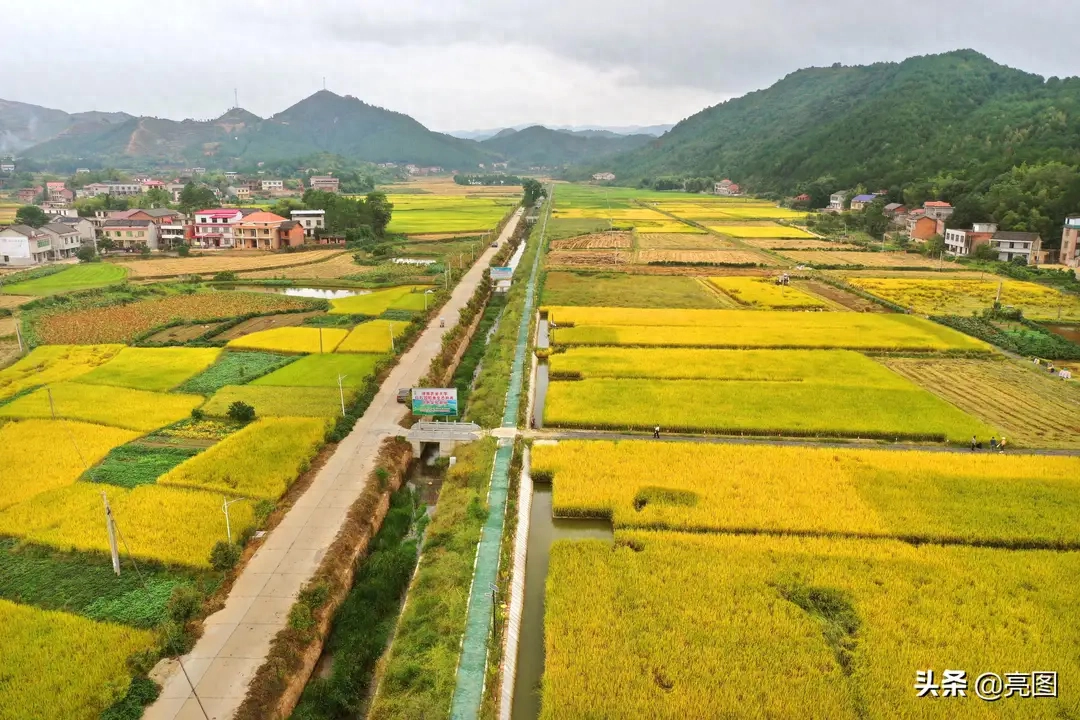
(538, 145)
(880, 125)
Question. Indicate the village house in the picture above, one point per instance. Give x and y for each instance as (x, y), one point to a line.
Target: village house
(174, 189)
(836, 201)
(271, 185)
(214, 228)
(893, 209)
(921, 226)
(310, 220)
(120, 189)
(64, 239)
(725, 188)
(27, 195)
(81, 225)
(22, 245)
(1013, 245)
(861, 201)
(325, 183)
(603, 176)
(1070, 242)
(267, 231)
(7, 168)
(129, 234)
(938, 210)
(961, 243)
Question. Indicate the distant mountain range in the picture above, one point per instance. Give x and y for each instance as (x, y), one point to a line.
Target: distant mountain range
(587, 130)
(322, 123)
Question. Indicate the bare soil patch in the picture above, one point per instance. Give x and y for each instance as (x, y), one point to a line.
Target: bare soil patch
(842, 297)
(596, 241)
(682, 241)
(182, 333)
(266, 323)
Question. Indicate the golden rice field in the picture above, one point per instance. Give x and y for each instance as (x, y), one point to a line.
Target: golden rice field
(58, 665)
(760, 231)
(765, 293)
(826, 408)
(977, 498)
(682, 241)
(53, 363)
(867, 259)
(103, 405)
(719, 210)
(372, 337)
(295, 340)
(170, 525)
(425, 214)
(405, 297)
(39, 455)
(261, 461)
(674, 626)
(798, 244)
(214, 263)
(159, 369)
(962, 297)
(752, 328)
(273, 401)
(1032, 408)
(664, 227)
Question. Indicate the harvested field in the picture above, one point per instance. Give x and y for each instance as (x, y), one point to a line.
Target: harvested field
(251, 260)
(265, 323)
(596, 241)
(1033, 408)
(8, 352)
(841, 298)
(12, 301)
(435, 237)
(588, 258)
(798, 244)
(336, 267)
(868, 259)
(624, 290)
(182, 333)
(681, 241)
(711, 257)
(7, 326)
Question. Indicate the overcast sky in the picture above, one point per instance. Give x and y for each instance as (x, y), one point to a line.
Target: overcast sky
(465, 64)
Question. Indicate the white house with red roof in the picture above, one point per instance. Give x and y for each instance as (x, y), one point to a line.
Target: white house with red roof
(214, 228)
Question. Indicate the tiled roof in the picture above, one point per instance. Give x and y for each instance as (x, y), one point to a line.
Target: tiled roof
(863, 198)
(24, 230)
(1016, 236)
(127, 223)
(58, 228)
(936, 204)
(263, 217)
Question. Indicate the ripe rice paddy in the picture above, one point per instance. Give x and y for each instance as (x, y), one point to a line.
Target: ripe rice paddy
(765, 293)
(962, 297)
(621, 290)
(158, 369)
(104, 405)
(324, 371)
(423, 214)
(373, 337)
(53, 363)
(405, 297)
(682, 241)
(292, 340)
(275, 401)
(760, 231)
(215, 262)
(867, 259)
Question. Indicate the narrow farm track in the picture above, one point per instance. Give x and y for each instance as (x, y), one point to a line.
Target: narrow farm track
(237, 638)
(779, 442)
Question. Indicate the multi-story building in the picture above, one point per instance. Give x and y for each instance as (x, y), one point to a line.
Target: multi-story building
(325, 182)
(131, 234)
(83, 226)
(22, 245)
(243, 192)
(27, 195)
(65, 240)
(921, 226)
(214, 228)
(270, 185)
(938, 210)
(961, 243)
(267, 231)
(1013, 245)
(174, 189)
(56, 191)
(310, 220)
(7, 168)
(112, 188)
(836, 201)
(1070, 242)
(861, 201)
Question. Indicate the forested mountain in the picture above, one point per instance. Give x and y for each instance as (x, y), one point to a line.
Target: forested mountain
(538, 145)
(23, 125)
(322, 123)
(956, 127)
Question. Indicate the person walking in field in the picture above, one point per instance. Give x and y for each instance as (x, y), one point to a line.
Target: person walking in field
(974, 442)
(656, 432)
(1001, 445)
(993, 444)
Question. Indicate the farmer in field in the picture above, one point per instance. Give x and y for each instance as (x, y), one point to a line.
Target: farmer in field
(1001, 445)
(993, 444)
(656, 432)
(974, 442)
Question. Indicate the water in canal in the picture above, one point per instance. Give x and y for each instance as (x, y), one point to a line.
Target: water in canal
(543, 530)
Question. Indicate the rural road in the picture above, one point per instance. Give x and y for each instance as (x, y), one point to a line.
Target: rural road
(237, 638)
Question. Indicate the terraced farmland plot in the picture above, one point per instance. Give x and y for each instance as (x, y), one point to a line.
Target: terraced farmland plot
(752, 328)
(324, 371)
(297, 340)
(420, 214)
(595, 241)
(53, 363)
(816, 628)
(621, 290)
(76, 277)
(759, 231)
(275, 401)
(336, 266)
(406, 297)
(1031, 407)
(765, 293)
(798, 244)
(375, 336)
(706, 257)
(981, 498)
(962, 297)
(159, 369)
(682, 241)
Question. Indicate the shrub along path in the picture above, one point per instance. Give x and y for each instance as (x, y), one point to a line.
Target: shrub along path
(237, 638)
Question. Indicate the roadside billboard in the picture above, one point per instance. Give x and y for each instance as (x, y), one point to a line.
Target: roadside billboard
(502, 273)
(435, 401)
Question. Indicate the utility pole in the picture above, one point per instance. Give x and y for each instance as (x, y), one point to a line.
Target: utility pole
(320, 340)
(52, 408)
(341, 390)
(225, 503)
(392, 349)
(110, 526)
(18, 336)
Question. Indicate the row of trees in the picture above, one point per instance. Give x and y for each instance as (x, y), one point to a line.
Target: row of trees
(491, 179)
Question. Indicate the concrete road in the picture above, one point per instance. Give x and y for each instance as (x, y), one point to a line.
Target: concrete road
(237, 638)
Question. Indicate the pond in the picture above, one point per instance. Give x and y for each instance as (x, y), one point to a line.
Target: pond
(1069, 332)
(304, 292)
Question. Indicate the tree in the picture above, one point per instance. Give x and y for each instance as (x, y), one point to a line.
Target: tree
(381, 210)
(194, 198)
(935, 245)
(533, 191)
(86, 254)
(874, 220)
(984, 252)
(31, 215)
(241, 412)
